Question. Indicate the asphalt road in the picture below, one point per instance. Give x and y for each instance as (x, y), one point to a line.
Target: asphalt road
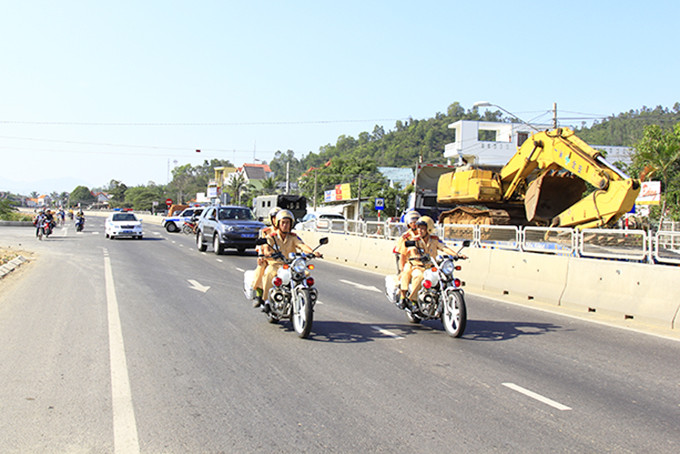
(120, 346)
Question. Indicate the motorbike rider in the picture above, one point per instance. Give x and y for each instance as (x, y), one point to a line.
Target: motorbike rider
(261, 261)
(431, 245)
(410, 218)
(50, 219)
(38, 222)
(80, 217)
(284, 241)
(404, 271)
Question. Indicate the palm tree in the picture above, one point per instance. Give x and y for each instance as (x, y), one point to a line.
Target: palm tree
(268, 186)
(237, 185)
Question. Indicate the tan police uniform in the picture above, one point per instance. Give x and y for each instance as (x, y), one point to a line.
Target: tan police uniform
(431, 245)
(291, 243)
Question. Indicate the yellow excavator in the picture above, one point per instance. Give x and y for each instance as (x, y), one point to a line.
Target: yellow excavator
(542, 184)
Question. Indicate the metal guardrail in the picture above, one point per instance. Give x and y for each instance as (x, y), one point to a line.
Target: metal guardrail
(662, 247)
(666, 247)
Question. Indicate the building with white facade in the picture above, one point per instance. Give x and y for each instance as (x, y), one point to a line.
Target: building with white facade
(494, 143)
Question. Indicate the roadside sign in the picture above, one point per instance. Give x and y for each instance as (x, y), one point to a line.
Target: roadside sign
(168, 202)
(379, 203)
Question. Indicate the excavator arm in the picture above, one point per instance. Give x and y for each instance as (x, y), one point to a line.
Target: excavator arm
(548, 174)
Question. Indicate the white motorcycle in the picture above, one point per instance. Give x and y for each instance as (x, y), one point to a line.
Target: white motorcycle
(293, 294)
(441, 295)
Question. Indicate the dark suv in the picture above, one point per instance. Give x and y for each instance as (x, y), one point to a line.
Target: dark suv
(225, 227)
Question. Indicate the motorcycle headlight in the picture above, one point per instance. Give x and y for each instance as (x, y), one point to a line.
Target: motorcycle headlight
(299, 266)
(447, 267)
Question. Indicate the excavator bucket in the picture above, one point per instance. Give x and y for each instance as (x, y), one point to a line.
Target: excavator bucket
(550, 194)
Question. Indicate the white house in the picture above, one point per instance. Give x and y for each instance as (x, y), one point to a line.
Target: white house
(505, 139)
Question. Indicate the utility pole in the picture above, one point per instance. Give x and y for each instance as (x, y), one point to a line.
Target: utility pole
(287, 177)
(315, 190)
(554, 115)
(358, 214)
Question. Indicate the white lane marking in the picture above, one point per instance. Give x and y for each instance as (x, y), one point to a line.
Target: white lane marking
(95, 233)
(181, 245)
(195, 285)
(386, 332)
(173, 241)
(156, 233)
(240, 270)
(124, 423)
(536, 396)
(220, 260)
(361, 286)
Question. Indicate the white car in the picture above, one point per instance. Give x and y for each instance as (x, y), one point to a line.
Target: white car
(123, 224)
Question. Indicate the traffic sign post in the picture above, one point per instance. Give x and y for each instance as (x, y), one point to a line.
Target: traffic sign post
(379, 206)
(168, 202)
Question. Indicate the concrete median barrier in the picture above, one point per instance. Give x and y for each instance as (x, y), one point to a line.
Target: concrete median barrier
(622, 290)
(524, 276)
(632, 292)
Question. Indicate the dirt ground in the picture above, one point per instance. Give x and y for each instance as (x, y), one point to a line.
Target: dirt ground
(8, 253)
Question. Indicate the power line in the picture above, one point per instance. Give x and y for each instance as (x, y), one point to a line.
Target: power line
(192, 124)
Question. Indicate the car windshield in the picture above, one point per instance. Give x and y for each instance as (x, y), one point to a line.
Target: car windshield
(124, 217)
(239, 214)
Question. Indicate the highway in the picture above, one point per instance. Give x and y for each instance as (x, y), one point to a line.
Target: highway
(150, 346)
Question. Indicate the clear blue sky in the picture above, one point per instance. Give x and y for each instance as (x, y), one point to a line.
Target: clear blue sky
(92, 91)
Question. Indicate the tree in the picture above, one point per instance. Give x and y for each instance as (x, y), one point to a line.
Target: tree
(182, 179)
(238, 188)
(658, 155)
(268, 186)
(142, 197)
(117, 191)
(81, 195)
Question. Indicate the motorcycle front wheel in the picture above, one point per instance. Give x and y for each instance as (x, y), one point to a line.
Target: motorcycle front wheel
(454, 316)
(187, 230)
(303, 314)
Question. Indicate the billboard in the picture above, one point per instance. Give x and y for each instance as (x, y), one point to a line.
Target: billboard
(341, 192)
(650, 193)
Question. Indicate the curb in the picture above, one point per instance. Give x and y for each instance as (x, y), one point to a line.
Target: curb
(16, 224)
(12, 265)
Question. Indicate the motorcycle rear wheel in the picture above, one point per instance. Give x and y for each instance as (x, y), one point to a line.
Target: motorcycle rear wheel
(454, 315)
(303, 317)
(187, 230)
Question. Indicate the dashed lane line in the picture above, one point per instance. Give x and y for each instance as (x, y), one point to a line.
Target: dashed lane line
(537, 396)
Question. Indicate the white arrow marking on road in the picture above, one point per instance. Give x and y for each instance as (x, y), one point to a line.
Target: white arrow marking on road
(196, 286)
(536, 396)
(361, 286)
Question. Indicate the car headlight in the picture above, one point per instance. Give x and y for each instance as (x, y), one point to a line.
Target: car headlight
(447, 267)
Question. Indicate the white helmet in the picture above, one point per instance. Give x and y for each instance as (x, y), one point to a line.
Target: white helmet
(411, 216)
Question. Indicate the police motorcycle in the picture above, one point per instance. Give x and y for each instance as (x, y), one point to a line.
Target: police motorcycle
(441, 295)
(293, 294)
